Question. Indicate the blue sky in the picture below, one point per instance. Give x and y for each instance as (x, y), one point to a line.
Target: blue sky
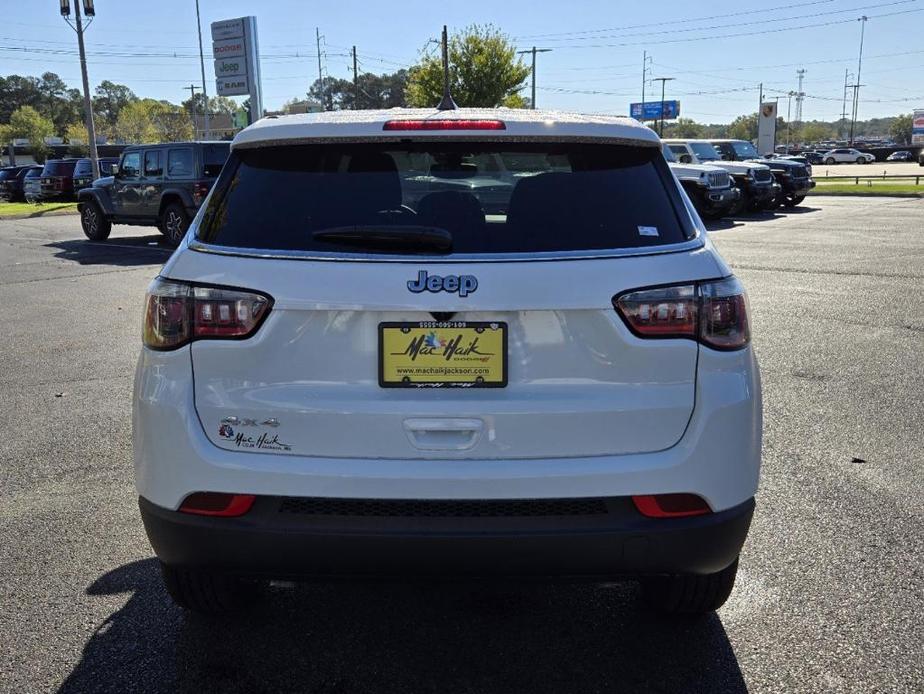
(718, 52)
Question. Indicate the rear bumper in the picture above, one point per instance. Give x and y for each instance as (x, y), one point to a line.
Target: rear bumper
(291, 538)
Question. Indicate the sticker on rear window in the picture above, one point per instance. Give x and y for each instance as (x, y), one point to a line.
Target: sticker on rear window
(648, 231)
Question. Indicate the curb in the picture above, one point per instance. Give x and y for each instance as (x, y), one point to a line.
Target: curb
(36, 215)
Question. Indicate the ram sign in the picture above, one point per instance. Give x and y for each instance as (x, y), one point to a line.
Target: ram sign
(237, 61)
(917, 128)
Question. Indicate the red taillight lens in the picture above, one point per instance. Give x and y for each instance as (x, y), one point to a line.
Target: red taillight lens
(445, 124)
(200, 192)
(715, 313)
(217, 504)
(671, 505)
(176, 313)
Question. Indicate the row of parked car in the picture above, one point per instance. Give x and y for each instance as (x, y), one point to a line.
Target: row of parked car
(728, 177)
(56, 179)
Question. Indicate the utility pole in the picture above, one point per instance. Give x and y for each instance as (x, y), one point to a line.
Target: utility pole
(844, 108)
(663, 81)
(788, 122)
(205, 95)
(317, 34)
(534, 50)
(87, 104)
(856, 91)
(192, 100)
(645, 69)
(800, 95)
(355, 80)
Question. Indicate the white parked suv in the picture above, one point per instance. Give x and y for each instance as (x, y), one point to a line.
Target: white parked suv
(848, 156)
(337, 382)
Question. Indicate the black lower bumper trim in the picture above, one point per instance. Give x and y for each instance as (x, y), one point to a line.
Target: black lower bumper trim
(610, 541)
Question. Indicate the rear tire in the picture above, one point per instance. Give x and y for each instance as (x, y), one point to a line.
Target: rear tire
(174, 223)
(208, 592)
(95, 225)
(689, 594)
(793, 201)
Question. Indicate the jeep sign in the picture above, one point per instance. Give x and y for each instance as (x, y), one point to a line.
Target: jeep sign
(237, 61)
(230, 67)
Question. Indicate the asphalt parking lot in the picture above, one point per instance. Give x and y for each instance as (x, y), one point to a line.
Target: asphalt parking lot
(831, 588)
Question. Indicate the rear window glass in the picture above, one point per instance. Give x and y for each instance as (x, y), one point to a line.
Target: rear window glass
(34, 173)
(488, 198)
(179, 162)
(7, 173)
(213, 158)
(59, 168)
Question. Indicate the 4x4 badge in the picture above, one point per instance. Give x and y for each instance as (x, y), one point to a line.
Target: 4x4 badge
(461, 284)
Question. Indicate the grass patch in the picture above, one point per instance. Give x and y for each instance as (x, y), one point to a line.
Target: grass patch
(877, 188)
(22, 210)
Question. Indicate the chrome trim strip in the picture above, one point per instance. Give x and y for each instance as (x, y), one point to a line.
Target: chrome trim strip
(690, 245)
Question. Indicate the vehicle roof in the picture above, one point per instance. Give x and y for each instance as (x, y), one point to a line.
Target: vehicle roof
(727, 139)
(174, 144)
(368, 125)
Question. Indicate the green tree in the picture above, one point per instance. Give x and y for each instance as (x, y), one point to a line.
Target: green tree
(814, 132)
(743, 127)
(685, 127)
(28, 123)
(900, 129)
(109, 101)
(147, 120)
(78, 140)
(370, 91)
(484, 71)
(217, 104)
(16, 91)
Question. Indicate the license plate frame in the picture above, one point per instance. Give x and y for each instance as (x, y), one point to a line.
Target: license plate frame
(497, 331)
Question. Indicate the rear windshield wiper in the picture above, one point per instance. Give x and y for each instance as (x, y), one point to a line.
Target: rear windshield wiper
(409, 237)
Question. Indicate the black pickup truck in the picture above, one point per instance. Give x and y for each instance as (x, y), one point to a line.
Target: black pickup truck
(159, 185)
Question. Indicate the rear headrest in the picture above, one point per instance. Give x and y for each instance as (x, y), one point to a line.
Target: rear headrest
(374, 181)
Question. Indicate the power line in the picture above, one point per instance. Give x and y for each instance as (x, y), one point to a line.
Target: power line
(677, 21)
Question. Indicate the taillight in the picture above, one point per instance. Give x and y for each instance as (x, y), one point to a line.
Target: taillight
(217, 504)
(715, 313)
(445, 124)
(176, 313)
(201, 191)
(671, 505)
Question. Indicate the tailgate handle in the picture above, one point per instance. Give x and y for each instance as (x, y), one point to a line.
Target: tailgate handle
(443, 434)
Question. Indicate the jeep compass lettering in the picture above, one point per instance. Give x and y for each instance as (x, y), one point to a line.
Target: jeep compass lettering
(356, 365)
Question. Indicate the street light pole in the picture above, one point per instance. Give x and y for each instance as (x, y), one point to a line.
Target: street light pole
(856, 91)
(662, 80)
(87, 103)
(205, 94)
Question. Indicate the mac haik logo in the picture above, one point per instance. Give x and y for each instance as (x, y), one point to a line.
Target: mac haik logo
(452, 348)
(463, 285)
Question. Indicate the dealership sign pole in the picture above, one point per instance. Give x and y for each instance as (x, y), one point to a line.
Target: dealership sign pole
(237, 61)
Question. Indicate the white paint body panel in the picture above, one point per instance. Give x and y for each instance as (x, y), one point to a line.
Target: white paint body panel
(589, 410)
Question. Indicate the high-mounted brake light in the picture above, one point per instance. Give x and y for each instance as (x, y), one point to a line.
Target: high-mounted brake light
(714, 313)
(217, 504)
(176, 313)
(671, 505)
(445, 124)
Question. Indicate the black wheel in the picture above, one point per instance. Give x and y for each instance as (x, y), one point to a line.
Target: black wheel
(741, 204)
(688, 594)
(95, 225)
(830, 161)
(174, 223)
(861, 160)
(205, 591)
(794, 200)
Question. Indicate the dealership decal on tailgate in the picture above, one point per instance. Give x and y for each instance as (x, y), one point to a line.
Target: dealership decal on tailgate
(454, 354)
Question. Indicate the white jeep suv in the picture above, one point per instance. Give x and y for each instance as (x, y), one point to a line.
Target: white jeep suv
(350, 367)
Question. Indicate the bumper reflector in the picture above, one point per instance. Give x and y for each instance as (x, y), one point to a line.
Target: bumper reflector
(217, 504)
(671, 505)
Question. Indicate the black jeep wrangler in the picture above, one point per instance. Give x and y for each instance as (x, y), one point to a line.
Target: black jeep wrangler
(159, 185)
